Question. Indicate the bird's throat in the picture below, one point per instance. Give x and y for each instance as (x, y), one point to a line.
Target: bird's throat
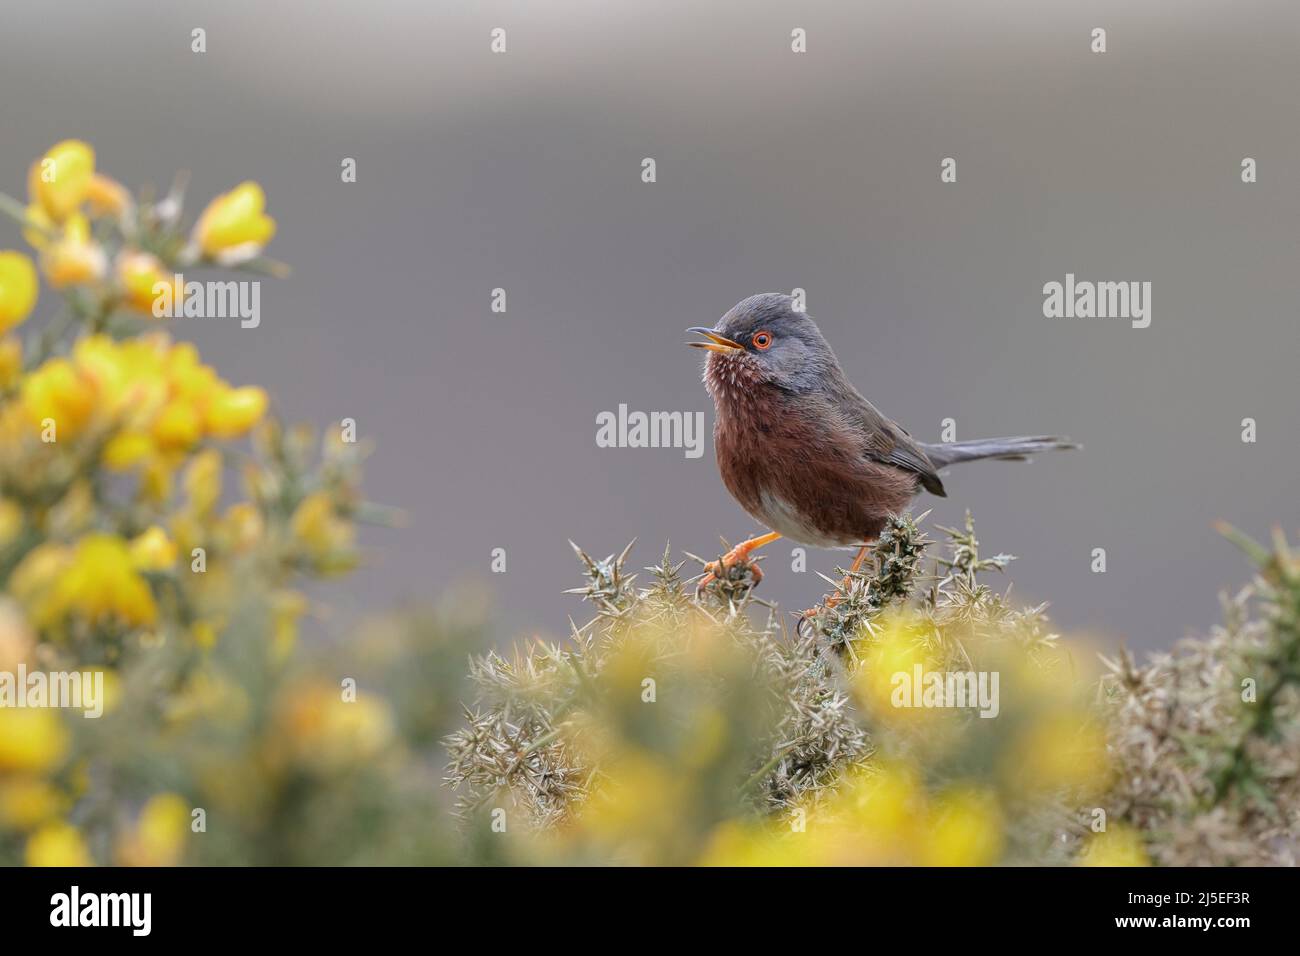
(733, 382)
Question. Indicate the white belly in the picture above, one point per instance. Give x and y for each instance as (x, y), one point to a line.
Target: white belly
(785, 521)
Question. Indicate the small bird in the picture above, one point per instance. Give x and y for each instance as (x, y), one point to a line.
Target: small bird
(798, 446)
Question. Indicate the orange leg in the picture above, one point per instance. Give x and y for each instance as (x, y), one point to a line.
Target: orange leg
(739, 553)
(854, 568)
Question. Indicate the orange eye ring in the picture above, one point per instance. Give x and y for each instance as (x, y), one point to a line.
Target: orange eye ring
(762, 340)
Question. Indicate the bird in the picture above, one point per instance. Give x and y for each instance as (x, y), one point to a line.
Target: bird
(801, 450)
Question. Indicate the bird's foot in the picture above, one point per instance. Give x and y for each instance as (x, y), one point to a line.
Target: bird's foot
(734, 570)
(832, 600)
(807, 621)
(828, 603)
(734, 575)
(823, 618)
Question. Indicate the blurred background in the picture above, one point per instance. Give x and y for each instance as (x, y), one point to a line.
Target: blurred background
(775, 170)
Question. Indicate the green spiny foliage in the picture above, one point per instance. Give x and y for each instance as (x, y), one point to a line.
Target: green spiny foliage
(1193, 772)
(1206, 740)
(513, 752)
(862, 595)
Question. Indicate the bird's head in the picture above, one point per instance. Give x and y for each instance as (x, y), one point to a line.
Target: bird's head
(764, 341)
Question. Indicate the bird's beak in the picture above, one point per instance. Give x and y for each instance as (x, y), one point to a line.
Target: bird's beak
(716, 343)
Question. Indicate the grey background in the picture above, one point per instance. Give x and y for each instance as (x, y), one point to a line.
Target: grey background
(775, 171)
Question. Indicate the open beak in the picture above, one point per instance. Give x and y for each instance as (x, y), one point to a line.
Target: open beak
(716, 343)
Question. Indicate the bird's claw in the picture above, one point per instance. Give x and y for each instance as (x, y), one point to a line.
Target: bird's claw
(721, 570)
(806, 620)
(809, 617)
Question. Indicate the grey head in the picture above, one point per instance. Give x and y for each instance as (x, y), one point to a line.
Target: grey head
(763, 339)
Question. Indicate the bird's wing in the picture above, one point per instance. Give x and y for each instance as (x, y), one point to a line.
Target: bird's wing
(889, 443)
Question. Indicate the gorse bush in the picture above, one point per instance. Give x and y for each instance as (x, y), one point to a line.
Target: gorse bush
(677, 729)
(1206, 740)
(156, 526)
(160, 527)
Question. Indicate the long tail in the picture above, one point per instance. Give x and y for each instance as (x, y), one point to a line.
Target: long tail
(1007, 449)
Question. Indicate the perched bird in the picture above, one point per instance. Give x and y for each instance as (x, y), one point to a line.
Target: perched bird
(798, 446)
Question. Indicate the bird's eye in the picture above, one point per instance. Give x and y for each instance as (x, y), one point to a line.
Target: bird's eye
(762, 340)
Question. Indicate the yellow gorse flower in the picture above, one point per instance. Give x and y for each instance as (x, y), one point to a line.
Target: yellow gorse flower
(27, 801)
(57, 844)
(128, 450)
(157, 399)
(235, 224)
(231, 412)
(32, 740)
(202, 482)
(315, 727)
(39, 227)
(32, 585)
(964, 827)
(1064, 749)
(73, 258)
(243, 525)
(95, 581)
(325, 536)
(153, 550)
(105, 196)
(61, 179)
(158, 838)
(639, 800)
(894, 649)
(59, 393)
(139, 275)
(102, 585)
(1118, 846)
(19, 287)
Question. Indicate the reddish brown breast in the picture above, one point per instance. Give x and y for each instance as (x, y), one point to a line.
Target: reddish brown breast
(798, 467)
